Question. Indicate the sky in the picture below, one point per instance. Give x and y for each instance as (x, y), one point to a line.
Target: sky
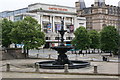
(17, 4)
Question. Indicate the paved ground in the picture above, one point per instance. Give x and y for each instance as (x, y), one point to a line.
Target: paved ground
(37, 75)
(53, 54)
(103, 67)
(24, 65)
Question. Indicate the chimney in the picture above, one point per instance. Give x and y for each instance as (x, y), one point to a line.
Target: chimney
(82, 4)
(99, 3)
(96, 2)
(119, 3)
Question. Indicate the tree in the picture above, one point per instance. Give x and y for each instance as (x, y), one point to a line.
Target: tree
(94, 39)
(6, 26)
(15, 35)
(109, 39)
(81, 40)
(28, 32)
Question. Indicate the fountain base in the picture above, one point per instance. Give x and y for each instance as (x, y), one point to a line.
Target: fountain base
(75, 65)
(62, 59)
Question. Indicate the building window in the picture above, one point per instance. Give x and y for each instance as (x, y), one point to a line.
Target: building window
(47, 38)
(81, 23)
(10, 13)
(68, 38)
(4, 14)
(57, 38)
(57, 27)
(0, 15)
(24, 10)
(17, 12)
(45, 30)
(17, 18)
(47, 27)
(70, 28)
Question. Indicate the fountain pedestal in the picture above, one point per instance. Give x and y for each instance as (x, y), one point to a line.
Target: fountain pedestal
(62, 57)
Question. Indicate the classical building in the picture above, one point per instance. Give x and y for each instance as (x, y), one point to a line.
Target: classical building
(99, 14)
(50, 16)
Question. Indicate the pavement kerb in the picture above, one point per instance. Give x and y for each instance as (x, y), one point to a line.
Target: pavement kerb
(69, 73)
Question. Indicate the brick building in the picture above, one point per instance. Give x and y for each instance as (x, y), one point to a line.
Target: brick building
(99, 14)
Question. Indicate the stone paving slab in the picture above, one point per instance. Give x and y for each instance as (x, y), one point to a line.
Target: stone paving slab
(38, 75)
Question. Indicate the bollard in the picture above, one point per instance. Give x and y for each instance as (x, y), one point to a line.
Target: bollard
(66, 68)
(7, 67)
(95, 69)
(37, 67)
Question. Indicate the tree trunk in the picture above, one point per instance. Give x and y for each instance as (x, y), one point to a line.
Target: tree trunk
(86, 51)
(72, 52)
(75, 51)
(89, 51)
(110, 53)
(24, 50)
(94, 51)
(98, 51)
(27, 53)
(80, 52)
(15, 45)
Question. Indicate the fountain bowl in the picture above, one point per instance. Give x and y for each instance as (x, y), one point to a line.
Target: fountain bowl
(76, 64)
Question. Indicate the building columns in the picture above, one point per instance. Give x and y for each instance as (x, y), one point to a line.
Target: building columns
(53, 24)
(64, 23)
(41, 16)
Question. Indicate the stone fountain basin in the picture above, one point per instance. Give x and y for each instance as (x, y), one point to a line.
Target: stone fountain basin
(62, 49)
(75, 65)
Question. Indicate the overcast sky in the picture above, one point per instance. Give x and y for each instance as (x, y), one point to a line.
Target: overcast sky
(17, 4)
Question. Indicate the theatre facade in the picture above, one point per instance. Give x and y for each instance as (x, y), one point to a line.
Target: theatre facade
(50, 16)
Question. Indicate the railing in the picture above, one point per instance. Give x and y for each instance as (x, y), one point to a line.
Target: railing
(95, 71)
(37, 68)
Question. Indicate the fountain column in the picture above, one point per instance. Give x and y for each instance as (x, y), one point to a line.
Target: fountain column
(62, 49)
(62, 32)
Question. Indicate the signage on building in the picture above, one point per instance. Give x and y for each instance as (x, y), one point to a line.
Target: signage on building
(49, 28)
(71, 28)
(57, 9)
(57, 27)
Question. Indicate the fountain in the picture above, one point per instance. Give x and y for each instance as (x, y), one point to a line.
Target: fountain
(62, 57)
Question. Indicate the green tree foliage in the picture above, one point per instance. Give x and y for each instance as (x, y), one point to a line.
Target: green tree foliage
(109, 39)
(28, 32)
(6, 26)
(94, 39)
(16, 35)
(81, 40)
